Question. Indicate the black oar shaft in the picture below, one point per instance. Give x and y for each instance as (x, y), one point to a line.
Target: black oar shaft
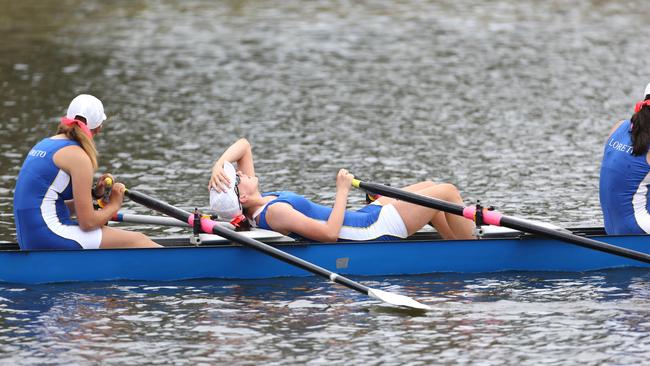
(288, 258)
(158, 205)
(522, 225)
(506, 221)
(411, 197)
(184, 216)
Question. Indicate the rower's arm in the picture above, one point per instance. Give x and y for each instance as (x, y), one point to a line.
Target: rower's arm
(241, 153)
(74, 161)
(284, 219)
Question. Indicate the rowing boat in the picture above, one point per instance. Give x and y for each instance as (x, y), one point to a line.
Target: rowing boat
(425, 252)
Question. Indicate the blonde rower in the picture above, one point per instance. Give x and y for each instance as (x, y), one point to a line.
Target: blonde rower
(55, 181)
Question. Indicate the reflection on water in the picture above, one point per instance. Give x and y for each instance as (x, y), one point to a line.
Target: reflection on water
(592, 318)
(510, 100)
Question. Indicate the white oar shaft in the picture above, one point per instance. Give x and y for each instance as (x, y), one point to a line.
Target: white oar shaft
(157, 220)
(149, 219)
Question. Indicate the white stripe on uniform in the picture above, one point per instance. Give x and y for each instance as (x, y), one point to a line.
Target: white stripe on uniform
(389, 222)
(639, 203)
(87, 239)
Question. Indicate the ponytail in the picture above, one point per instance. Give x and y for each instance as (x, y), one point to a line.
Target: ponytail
(641, 131)
(74, 132)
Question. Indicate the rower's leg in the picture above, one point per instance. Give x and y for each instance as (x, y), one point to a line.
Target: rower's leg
(462, 227)
(439, 222)
(412, 188)
(416, 216)
(118, 238)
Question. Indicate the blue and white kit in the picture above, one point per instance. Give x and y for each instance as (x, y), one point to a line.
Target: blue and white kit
(624, 180)
(42, 218)
(372, 222)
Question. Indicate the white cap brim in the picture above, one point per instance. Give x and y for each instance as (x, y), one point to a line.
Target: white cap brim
(647, 91)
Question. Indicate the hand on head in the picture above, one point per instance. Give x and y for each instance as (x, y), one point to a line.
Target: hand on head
(219, 179)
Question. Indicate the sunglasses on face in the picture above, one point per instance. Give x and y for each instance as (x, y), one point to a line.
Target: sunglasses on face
(237, 180)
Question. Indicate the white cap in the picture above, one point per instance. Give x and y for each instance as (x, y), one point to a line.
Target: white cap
(88, 107)
(226, 204)
(647, 91)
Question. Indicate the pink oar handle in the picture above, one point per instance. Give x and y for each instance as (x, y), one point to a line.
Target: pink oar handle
(489, 217)
(206, 223)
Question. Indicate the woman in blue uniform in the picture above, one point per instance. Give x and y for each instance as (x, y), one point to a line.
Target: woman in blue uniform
(55, 181)
(625, 173)
(233, 193)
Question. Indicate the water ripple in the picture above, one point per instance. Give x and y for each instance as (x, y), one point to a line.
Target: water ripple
(510, 100)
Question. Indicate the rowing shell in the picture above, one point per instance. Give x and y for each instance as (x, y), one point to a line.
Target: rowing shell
(423, 253)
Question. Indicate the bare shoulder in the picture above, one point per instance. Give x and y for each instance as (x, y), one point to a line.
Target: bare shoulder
(71, 158)
(282, 218)
(278, 210)
(616, 126)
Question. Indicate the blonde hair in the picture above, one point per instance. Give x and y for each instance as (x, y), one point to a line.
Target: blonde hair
(74, 132)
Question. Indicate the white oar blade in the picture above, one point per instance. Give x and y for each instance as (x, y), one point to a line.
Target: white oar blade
(397, 300)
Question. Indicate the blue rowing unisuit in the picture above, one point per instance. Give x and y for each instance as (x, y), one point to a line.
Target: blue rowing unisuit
(624, 180)
(356, 224)
(41, 191)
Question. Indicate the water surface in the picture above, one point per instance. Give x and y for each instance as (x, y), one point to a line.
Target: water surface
(509, 100)
(533, 318)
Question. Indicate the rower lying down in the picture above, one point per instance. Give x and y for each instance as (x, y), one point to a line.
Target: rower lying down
(427, 233)
(236, 193)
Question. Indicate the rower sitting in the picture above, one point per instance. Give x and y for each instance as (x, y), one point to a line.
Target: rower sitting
(235, 193)
(625, 173)
(55, 182)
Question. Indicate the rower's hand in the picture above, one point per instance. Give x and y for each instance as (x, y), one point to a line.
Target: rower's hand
(219, 180)
(344, 180)
(117, 195)
(100, 186)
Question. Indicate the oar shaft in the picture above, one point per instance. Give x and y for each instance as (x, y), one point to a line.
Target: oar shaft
(147, 219)
(158, 205)
(498, 219)
(283, 256)
(213, 227)
(522, 225)
(411, 197)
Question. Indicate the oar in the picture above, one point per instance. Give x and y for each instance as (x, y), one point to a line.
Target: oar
(212, 227)
(147, 219)
(497, 219)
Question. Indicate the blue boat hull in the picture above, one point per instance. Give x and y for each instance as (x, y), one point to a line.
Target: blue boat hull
(357, 259)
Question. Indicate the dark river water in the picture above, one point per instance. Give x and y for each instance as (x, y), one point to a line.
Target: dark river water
(510, 100)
